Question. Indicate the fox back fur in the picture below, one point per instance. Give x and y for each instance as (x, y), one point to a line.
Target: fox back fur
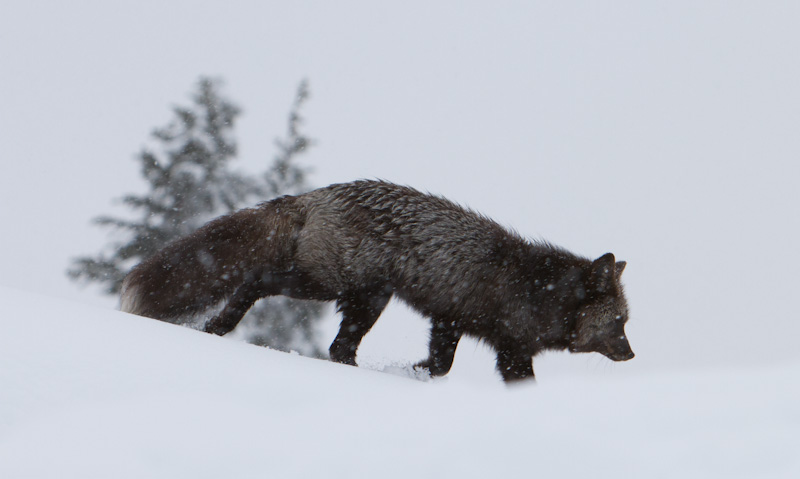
(361, 243)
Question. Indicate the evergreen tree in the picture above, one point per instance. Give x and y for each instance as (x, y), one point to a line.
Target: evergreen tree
(190, 182)
(279, 322)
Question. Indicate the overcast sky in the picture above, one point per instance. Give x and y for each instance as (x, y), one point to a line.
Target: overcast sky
(664, 132)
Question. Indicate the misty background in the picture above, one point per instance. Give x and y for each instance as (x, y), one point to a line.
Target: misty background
(665, 133)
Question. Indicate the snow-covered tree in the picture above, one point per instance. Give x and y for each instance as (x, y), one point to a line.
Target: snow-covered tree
(190, 181)
(280, 322)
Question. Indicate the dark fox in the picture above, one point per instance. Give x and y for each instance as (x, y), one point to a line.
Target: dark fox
(361, 243)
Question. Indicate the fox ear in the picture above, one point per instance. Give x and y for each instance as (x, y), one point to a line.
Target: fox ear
(601, 276)
(619, 267)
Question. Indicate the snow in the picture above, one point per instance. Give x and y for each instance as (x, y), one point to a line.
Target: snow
(91, 392)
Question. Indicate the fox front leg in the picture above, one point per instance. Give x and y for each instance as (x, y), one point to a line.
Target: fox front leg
(514, 364)
(444, 340)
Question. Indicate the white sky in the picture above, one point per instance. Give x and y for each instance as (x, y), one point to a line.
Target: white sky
(665, 132)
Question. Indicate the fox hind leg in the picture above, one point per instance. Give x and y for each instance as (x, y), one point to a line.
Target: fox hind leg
(261, 284)
(237, 306)
(444, 340)
(359, 312)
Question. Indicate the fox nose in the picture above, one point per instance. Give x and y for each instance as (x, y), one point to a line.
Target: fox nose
(621, 355)
(628, 356)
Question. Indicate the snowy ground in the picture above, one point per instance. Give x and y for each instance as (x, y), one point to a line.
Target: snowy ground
(88, 392)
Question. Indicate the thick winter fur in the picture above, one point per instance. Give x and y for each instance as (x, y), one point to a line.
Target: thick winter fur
(361, 243)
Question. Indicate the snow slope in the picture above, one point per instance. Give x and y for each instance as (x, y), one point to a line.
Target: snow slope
(88, 393)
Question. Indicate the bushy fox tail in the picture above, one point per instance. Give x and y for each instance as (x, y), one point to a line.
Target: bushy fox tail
(195, 272)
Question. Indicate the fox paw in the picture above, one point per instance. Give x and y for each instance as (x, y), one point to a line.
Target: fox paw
(343, 359)
(215, 326)
(431, 367)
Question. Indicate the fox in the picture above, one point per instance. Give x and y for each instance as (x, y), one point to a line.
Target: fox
(359, 244)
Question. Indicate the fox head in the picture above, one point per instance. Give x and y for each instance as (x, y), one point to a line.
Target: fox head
(600, 325)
